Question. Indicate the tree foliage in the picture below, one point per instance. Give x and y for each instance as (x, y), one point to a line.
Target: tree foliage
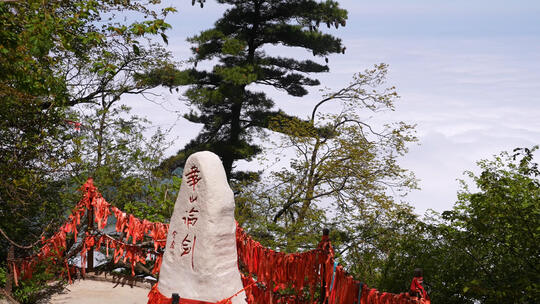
(496, 231)
(67, 64)
(55, 55)
(339, 177)
(224, 98)
(112, 147)
(484, 250)
(32, 115)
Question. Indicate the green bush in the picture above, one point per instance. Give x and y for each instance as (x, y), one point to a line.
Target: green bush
(3, 276)
(31, 290)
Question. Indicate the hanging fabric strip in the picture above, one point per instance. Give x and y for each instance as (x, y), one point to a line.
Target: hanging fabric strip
(275, 272)
(155, 297)
(333, 275)
(360, 286)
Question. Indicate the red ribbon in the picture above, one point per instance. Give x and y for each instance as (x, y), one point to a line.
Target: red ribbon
(155, 297)
(275, 271)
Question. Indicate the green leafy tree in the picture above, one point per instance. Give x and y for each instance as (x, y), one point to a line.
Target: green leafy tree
(100, 78)
(495, 231)
(339, 177)
(224, 99)
(409, 243)
(55, 55)
(111, 147)
(159, 199)
(32, 112)
(484, 250)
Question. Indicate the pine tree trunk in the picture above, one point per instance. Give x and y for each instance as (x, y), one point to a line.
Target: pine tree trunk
(229, 156)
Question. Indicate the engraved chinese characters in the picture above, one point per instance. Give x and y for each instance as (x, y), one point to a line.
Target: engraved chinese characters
(200, 261)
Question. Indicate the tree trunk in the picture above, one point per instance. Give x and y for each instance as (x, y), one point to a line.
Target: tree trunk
(229, 156)
(311, 183)
(100, 151)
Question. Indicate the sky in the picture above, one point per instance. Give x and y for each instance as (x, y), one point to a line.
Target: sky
(468, 73)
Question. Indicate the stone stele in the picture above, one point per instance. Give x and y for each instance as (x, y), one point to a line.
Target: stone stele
(200, 259)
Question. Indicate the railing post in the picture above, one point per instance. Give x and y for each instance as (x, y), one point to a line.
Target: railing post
(9, 279)
(90, 257)
(175, 298)
(325, 236)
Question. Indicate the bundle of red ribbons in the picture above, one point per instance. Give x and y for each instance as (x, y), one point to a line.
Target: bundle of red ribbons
(270, 277)
(293, 278)
(132, 227)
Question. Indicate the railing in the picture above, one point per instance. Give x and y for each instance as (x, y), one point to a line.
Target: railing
(272, 277)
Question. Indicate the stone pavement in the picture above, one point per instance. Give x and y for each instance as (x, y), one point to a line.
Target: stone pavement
(101, 292)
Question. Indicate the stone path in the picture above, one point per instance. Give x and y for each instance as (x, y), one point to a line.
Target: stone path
(101, 292)
(3, 301)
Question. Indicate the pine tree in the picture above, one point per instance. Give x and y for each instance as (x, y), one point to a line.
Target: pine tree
(232, 113)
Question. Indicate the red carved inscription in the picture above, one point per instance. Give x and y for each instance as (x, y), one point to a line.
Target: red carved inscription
(193, 177)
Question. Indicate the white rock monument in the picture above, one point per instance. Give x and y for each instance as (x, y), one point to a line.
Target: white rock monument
(200, 259)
